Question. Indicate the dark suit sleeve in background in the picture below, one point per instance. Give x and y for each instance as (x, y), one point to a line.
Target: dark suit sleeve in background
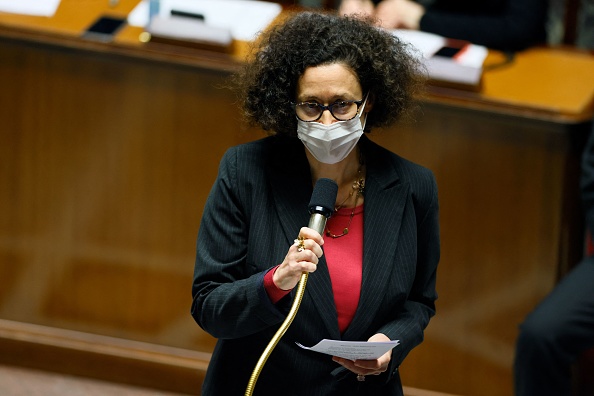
(500, 24)
(587, 181)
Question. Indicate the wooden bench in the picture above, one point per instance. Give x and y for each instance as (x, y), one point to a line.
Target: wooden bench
(100, 357)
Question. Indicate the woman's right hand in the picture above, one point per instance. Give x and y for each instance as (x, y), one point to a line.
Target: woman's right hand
(297, 261)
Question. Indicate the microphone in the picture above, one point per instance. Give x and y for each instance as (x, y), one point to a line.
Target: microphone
(321, 204)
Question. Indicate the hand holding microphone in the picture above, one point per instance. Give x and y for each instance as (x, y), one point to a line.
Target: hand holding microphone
(304, 254)
(299, 260)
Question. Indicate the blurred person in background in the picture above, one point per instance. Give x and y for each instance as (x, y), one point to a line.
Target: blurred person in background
(561, 327)
(506, 25)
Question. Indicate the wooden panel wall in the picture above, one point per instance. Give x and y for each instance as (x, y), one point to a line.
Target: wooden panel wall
(507, 190)
(106, 164)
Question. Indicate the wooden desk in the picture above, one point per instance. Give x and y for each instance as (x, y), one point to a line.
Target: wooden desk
(109, 151)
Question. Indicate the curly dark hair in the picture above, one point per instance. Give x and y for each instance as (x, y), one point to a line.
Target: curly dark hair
(267, 84)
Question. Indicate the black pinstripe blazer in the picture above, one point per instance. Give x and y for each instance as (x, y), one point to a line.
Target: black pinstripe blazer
(254, 212)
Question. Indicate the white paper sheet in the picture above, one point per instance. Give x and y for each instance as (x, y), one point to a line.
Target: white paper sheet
(352, 350)
(427, 44)
(245, 19)
(45, 8)
(465, 68)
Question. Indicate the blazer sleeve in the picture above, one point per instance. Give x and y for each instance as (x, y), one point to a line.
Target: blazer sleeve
(229, 299)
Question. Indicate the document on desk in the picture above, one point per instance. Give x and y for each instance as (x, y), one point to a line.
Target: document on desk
(245, 19)
(465, 67)
(352, 350)
(45, 8)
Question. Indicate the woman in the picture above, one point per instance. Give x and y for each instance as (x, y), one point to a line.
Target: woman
(372, 273)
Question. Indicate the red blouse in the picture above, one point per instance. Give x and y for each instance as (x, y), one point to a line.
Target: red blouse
(344, 256)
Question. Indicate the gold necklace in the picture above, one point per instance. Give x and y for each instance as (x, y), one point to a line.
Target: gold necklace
(359, 188)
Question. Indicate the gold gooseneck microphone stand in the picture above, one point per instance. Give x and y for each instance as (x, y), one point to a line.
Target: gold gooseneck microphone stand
(320, 207)
(279, 333)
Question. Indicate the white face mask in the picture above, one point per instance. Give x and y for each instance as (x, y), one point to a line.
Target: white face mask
(332, 143)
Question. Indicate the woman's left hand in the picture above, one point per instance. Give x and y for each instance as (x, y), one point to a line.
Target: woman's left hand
(368, 367)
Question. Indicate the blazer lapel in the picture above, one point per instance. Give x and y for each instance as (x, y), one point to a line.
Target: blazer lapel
(319, 290)
(290, 181)
(292, 189)
(385, 200)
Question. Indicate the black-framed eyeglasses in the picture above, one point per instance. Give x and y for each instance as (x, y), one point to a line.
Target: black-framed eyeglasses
(342, 110)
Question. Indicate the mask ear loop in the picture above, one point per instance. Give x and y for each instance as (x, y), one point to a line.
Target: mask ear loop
(361, 112)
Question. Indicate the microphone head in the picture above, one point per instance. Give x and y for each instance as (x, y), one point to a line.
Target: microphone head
(323, 197)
